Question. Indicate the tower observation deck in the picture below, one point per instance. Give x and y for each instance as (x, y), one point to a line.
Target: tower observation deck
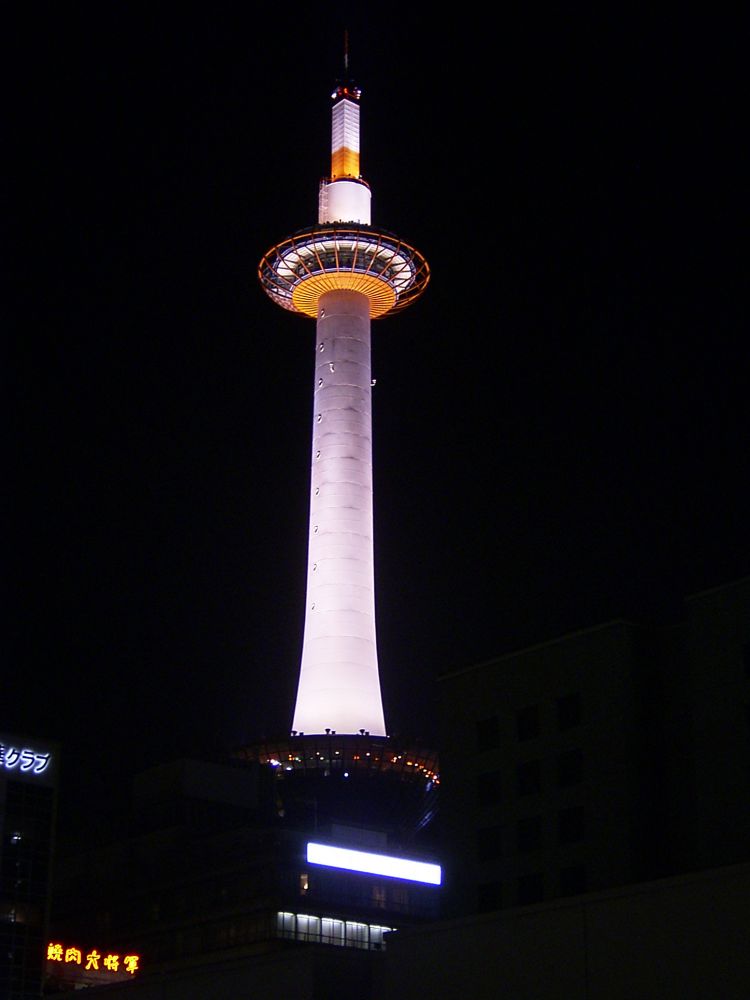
(343, 273)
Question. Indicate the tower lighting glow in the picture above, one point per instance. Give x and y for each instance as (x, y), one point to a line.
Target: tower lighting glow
(374, 864)
(343, 273)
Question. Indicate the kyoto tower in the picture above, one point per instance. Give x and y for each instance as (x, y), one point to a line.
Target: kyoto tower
(343, 273)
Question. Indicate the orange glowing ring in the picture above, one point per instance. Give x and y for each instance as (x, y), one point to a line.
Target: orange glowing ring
(305, 295)
(296, 272)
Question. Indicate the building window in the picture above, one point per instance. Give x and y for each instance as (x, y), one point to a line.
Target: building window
(398, 897)
(488, 733)
(286, 924)
(568, 711)
(350, 933)
(570, 767)
(304, 883)
(530, 888)
(529, 833)
(332, 931)
(489, 843)
(308, 927)
(489, 786)
(529, 777)
(527, 722)
(379, 898)
(489, 896)
(357, 934)
(573, 880)
(377, 936)
(570, 825)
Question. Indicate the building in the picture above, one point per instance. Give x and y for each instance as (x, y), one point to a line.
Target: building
(595, 815)
(680, 938)
(29, 774)
(217, 869)
(606, 757)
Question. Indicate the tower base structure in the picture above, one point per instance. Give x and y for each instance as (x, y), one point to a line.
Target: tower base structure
(359, 781)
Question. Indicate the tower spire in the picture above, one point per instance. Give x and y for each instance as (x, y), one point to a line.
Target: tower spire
(343, 273)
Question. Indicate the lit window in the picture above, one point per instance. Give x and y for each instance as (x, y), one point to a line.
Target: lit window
(286, 924)
(332, 931)
(357, 934)
(308, 927)
(304, 883)
(377, 932)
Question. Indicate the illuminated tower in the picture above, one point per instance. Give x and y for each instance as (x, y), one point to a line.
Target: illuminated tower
(343, 273)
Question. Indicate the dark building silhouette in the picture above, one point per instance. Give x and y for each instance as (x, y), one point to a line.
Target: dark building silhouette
(680, 938)
(211, 870)
(29, 770)
(609, 756)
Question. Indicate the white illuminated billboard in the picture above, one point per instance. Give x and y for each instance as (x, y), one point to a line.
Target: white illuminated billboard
(374, 864)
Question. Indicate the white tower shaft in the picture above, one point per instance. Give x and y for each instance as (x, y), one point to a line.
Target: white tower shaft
(339, 686)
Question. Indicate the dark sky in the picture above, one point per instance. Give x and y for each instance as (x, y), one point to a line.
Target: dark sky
(560, 424)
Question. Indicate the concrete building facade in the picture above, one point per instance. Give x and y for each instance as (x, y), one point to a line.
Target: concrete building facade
(29, 776)
(605, 757)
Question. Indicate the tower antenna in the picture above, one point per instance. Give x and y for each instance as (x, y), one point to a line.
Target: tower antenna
(346, 51)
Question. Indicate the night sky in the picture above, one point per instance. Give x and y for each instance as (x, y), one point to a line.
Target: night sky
(560, 423)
